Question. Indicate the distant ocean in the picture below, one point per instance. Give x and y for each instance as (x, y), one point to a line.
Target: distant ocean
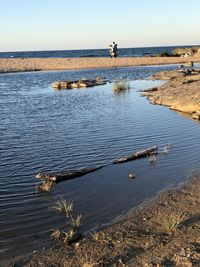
(122, 52)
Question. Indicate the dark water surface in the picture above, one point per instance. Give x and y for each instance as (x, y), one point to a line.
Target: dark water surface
(122, 52)
(42, 130)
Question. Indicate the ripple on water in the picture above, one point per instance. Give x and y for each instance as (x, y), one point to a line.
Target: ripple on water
(45, 130)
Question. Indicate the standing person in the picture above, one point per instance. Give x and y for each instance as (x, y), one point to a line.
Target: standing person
(115, 49)
(111, 51)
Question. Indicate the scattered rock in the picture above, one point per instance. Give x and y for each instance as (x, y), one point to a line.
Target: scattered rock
(60, 85)
(63, 85)
(185, 52)
(196, 115)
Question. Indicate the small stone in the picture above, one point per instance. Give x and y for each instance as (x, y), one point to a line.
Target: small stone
(77, 244)
(82, 84)
(74, 85)
(131, 175)
(196, 116)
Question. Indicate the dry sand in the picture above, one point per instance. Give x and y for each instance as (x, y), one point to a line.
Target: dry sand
(35, 64)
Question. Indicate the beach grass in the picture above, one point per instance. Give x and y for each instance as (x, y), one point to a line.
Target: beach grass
(121, 86)
(73, 222)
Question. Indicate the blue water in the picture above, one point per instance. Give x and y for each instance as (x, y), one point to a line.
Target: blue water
(46, 130)
(122, 52)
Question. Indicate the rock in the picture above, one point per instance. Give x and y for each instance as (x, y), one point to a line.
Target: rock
(197, 53)
(185, 52)
(196, 116)
(62, 85)
(188, 64)
(82, 84)
(131, 175)
(74, 85)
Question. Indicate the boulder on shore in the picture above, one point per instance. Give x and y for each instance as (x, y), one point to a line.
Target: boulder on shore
(82, 83)
(185, 52)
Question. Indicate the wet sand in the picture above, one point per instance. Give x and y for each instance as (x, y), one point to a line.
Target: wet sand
(36, 64)
(163, 232)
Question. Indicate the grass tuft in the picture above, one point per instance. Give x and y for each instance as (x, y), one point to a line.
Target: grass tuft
(173, 221)
(121, 86)
(152, 157)
(62, 206)
(56, 234)
(166, 149)
(45, 186)
(73, 222)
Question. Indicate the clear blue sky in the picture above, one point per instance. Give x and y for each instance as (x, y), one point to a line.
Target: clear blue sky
(82, 24)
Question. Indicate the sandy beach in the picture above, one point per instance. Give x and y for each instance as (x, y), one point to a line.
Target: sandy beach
(164, 232)
(37, 64)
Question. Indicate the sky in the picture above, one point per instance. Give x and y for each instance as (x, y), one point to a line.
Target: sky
(31, 25)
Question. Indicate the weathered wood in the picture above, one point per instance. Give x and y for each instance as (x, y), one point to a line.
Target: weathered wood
(52, 178)
(136, 155)
(57, 177)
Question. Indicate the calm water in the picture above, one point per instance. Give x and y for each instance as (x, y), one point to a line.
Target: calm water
(122, 52)
(45, 130)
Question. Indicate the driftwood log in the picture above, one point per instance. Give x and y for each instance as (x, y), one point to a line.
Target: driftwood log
(49, 179)
(57, 177)
(139, 154)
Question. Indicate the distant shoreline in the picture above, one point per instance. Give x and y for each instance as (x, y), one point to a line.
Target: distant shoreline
(9, 65)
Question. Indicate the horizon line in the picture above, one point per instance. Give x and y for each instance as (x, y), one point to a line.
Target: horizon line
(49, 50)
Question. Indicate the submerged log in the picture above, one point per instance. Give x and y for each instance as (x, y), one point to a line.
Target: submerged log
(57, 177)
(49, 179)
(139, 154)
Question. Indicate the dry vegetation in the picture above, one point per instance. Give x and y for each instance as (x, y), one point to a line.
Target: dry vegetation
(73, 222)
(121, 86)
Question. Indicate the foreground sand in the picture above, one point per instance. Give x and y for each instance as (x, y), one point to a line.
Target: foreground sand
(36, 64)
(164, 232)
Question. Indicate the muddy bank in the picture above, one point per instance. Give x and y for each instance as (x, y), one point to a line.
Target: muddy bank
(37, 64)
(163, 232)
(180, 92)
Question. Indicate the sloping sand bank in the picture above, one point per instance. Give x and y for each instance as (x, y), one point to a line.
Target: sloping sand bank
(164, 232)
(35, 64)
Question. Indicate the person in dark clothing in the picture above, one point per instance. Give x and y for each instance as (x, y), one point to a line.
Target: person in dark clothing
(115, 49)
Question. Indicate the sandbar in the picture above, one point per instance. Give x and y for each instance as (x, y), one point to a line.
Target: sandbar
(49, 64)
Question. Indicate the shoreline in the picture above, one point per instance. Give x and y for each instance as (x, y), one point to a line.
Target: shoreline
(9, 65)
(179, 93)
(162, 231)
